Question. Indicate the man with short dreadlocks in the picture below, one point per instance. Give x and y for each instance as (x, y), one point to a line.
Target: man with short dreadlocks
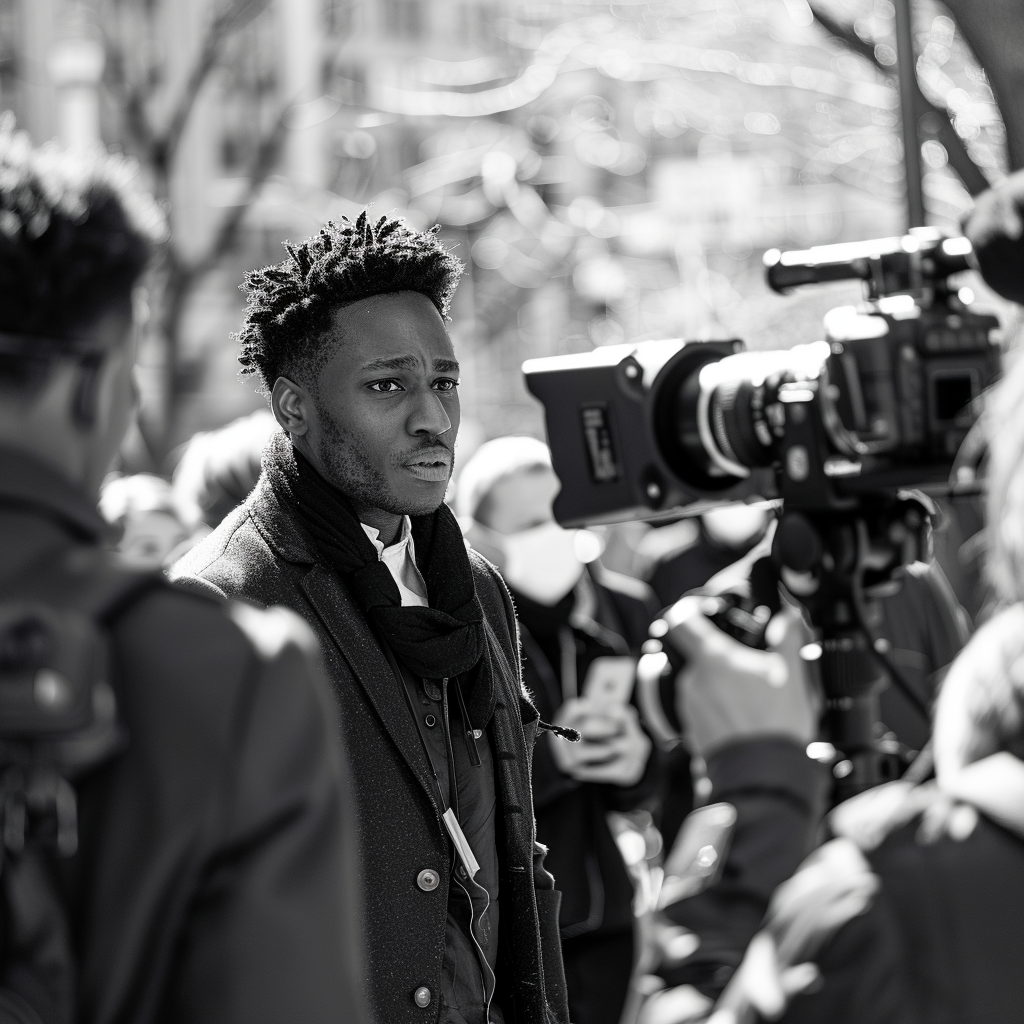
(348, 526)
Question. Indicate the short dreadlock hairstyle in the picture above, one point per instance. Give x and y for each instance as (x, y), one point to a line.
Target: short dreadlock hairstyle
(291, 305)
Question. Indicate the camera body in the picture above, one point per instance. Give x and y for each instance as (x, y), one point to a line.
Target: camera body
(613, 426)
(881, 404)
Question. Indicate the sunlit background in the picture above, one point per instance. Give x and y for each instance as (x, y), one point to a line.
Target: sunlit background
(606, 172)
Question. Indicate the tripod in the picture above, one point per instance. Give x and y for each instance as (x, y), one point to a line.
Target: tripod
(837, 564)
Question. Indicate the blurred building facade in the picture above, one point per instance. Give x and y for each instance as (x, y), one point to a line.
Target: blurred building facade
(606, 173)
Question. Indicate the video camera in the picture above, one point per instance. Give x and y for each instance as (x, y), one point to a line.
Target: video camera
(882, 403)
(840, 429)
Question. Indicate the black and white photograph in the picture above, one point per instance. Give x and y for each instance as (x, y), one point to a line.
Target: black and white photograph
(511, 511)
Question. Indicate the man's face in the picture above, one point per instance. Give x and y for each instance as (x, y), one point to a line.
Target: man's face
(386, 405)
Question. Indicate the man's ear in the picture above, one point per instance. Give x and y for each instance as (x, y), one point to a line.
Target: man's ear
(291, 403)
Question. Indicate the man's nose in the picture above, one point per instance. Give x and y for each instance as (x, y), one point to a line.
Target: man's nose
(429, 415)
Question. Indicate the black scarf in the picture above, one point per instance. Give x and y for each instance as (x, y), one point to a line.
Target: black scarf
(444, 640)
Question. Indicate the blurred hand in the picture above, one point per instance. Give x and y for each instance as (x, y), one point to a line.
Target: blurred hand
(680, 1005)
(760, 983)
(997, 211)
(728, 691)
(995, 228)
(866, 819)
(614, 749)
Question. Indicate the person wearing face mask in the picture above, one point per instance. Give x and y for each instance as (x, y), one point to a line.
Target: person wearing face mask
(572, 613)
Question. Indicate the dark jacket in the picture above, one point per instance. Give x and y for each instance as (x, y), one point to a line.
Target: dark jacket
(780, 797)
(261, 552)
(213, 881)
(597, 894)
(942, 942)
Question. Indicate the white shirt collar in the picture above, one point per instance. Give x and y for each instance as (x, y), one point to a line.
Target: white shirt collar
(400, 558)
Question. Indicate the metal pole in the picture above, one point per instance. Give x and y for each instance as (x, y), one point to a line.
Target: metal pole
(906, 66)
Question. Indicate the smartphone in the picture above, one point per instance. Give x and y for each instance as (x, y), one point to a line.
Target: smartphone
(698, 855)
(610, 680)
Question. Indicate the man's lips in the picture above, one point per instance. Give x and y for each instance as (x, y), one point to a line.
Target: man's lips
(434, 465)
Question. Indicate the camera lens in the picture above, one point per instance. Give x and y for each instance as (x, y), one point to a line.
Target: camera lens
(736, 409)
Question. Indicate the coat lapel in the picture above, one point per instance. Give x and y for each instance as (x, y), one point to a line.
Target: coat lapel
(347, 626)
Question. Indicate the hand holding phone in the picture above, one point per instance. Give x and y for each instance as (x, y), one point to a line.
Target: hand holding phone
(614, 748)
(610, 680)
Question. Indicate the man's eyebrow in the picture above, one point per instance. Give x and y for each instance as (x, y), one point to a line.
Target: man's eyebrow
(408, 363)
(394, 363)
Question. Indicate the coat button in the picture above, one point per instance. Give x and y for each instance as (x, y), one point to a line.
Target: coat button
(428, 880)
(422, 996)
(430, 721)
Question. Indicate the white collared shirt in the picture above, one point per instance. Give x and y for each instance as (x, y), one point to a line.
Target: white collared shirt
(400, 558)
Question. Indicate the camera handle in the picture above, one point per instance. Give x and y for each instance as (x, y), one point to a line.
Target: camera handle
(836, 565)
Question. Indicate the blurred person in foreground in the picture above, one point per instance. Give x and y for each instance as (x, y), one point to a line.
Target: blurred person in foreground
(574, 618)
(348, 527)
(213, 879)
(141, 506)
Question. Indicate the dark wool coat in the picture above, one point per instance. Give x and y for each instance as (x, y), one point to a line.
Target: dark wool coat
(262, 553)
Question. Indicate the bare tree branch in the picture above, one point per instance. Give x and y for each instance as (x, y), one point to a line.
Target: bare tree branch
(263, 163)
(972, 176)
(235, 16)
(131, 98)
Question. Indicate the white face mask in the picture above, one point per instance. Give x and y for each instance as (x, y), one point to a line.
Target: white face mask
(541, 562)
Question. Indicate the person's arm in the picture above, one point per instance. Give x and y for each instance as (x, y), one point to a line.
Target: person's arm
(628, 798)
(274, 932)
(750, 714)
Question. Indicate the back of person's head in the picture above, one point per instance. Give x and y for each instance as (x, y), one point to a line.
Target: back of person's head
(493, 462)
(75, 237)
(219, 468)
(289, 316)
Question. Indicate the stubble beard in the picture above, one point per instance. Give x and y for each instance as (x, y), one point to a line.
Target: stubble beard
(349, 469)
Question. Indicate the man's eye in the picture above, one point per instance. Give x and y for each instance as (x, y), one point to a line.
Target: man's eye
(445, 384)
(385, 387)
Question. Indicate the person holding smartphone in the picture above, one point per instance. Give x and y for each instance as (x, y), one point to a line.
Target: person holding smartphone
(581, 627)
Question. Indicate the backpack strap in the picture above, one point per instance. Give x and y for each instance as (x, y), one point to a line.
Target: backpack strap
(58, 710)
